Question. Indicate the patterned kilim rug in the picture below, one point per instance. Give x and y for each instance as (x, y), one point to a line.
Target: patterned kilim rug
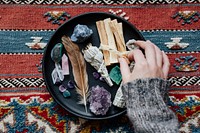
(25, 104)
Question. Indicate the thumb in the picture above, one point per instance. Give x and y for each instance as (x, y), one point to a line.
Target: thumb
(125, 70)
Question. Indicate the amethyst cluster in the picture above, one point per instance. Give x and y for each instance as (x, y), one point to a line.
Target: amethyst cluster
(100, 100)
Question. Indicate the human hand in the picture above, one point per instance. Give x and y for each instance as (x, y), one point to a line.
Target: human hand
(154, 63)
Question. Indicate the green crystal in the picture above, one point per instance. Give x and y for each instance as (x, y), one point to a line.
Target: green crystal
(115, 75)
(56, 53)
(66, 93)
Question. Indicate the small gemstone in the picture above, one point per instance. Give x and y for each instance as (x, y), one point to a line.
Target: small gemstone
(66, 93)
(70, 84)
(96, 75)
(62, 88)
(115, 75)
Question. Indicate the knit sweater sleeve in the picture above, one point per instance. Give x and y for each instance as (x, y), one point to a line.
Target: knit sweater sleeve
(146, 108)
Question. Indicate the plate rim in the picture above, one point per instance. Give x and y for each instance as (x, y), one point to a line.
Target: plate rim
(45, 77)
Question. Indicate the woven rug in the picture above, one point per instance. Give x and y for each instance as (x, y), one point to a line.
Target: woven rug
(26, 25)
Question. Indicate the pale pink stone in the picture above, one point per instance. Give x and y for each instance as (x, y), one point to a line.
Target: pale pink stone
(65, 65)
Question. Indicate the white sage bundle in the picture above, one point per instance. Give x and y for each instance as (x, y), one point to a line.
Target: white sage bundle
(119, 99)
(95, 57)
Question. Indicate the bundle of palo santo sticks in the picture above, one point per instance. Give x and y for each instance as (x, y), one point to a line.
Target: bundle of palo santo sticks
(111, 39)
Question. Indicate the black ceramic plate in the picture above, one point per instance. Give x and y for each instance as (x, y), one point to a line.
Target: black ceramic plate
(70, 104)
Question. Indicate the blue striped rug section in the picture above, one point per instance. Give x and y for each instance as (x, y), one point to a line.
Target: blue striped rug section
(161, 37)
(14, 41)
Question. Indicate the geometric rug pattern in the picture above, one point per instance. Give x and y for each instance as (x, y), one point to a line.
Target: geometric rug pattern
(25, 104)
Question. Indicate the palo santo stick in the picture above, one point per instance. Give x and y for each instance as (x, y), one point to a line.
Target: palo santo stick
(117, 34)
(103, 40)
(119, 54)
(121, 33)
(111, 40)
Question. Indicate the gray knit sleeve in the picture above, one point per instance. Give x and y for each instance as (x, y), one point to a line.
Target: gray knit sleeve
(146, 108)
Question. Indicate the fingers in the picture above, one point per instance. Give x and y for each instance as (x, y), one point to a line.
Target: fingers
(152, 52)
(136, 55)
(166, 65)
(154, 61)
(155, 56)
(125, 70)
(149, 49)
(159, 56)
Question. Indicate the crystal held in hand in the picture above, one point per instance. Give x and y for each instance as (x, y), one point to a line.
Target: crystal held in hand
(100, 100)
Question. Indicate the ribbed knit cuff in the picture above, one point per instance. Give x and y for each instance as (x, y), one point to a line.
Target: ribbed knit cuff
(140, 87)
(146, 108)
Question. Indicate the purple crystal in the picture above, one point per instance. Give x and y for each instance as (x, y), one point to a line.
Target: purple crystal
(70, 84)
(96, 75)
(100, 100)
(65, 65)
(62, 88)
